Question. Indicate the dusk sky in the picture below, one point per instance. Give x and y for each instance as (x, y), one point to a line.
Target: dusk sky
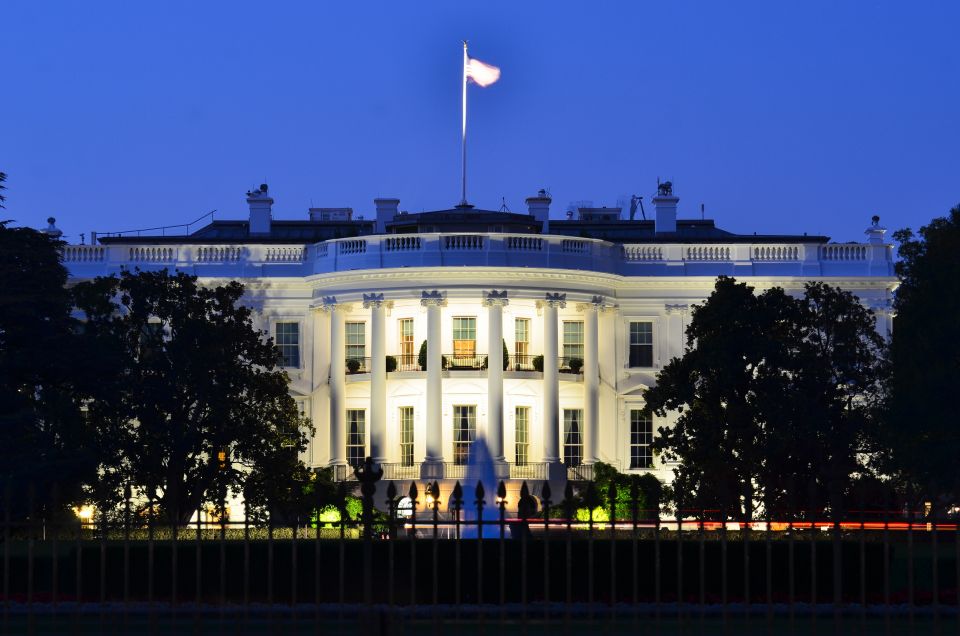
(781, 117)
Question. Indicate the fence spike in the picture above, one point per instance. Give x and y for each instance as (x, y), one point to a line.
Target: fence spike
(545, 493)
(412, 493)
(480, 493)
(502, 490)
(457, 495)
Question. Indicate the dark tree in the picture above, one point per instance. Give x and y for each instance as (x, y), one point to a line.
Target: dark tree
(920, 431)
(195, 403)
(775, 397)
(42, 432)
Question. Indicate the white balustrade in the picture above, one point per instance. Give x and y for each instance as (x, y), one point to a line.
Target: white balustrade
(152, 254)
(642, 253)
(219, 253)
(776, 253)
(353, 246)
(524, 243)
(285, 254)
(402, 243)
(84, 253)
(462, 242)
(707, 253)
(573, 246)
(843, 252)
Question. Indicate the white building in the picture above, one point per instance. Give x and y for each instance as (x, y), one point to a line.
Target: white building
(587, 311)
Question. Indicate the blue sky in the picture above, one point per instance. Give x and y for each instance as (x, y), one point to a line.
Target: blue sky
(778, 116)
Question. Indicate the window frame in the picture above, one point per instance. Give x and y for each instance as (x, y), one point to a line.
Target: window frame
(352, 435)
(631, 344)
(347, 355)
(462, 447)
(521, 435)
(521, 347)
(641, 441)
(407, 435)
(281, 345)
(461, 350)
(572, 350)
(578, 440)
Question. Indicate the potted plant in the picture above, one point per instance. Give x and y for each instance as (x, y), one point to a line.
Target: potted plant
(353, 365)
(391, 363)
(538, 363)
(506, 356)
(576, 364)
(422, 356)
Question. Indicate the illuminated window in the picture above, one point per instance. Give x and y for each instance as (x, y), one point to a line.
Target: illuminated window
(406, 435)
(522, 417)
(641, 344)
(288, 340)
(521, 339)
(356, 340)
(641, 439)
(464, 337)
(408, 357)
(464, 432)
(573, 339)
(573, 437)
(356, 436)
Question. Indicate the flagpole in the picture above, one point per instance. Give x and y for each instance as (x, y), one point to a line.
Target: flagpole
(463, 140)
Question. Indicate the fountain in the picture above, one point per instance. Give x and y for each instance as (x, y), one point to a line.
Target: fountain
(481, 469)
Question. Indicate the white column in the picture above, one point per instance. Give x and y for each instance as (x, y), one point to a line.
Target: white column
(495, 302)
(433, 301)
(378, 377)
(591, 379)
(338, 414)
(551, 384)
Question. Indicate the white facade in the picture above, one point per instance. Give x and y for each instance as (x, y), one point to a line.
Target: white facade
(363, 297)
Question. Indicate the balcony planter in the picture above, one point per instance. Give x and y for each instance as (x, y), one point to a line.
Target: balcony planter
(391, 363)
(538, 364)
(576, 365)
(353, 365)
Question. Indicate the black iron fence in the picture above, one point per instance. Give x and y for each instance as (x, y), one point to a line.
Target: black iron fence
(550, 555)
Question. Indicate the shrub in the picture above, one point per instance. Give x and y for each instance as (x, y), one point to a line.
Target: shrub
(575, 365)
(391, 363)
(538, 363)
(506, 356)
(353, 365)
(422, 356)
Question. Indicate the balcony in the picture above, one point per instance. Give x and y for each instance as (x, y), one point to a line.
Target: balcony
(405, 362)
(525, 363)
(570, 365)
(356, 365)
(461, 362)
(400, 471)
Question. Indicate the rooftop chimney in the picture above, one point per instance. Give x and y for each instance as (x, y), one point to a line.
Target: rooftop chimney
(539, 209)
(875, 232)
(52, 230)
(386, 210)
(260, 203)
(665, 205)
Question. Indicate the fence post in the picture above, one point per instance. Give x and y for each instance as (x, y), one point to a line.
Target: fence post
(479, 494)
(391, 537)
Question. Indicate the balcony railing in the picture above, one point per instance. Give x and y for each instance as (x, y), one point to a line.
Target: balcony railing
(525, 363)
(408, 362)
(357, 365)
(460, 362)
(394, 470)
(570, 364)
(528, 470)
(580, 472)
(343, 473)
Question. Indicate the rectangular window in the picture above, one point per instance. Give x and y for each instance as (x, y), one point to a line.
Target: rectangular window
(572, 437)
(356, 436)
(641, 439)
(641, 344)
(408, 356)
(288, 340)
(464, 337)
(521, 341)
(406, 435)
(356, 341)
(572, 339)
(522, 416)
(464, 432)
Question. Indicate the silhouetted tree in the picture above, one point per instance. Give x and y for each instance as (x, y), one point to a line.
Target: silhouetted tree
(921, 437)
(42, 432)
(195, 403)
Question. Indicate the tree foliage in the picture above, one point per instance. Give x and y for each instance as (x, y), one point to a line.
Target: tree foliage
(772, 396)
(920, 432)
(42, 371)
(192, 403)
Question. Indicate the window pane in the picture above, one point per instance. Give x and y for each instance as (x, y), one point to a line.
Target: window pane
(521, 338)
(641, 344)
(406, 435)
(356, 436)
(464, 432)
(288, 340)
(573, 339)
(355, 340)
(464, 337)
(573, 437)
(522, 435)
(641, 439)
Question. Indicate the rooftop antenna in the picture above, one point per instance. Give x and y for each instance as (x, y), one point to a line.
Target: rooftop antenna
(503, 204)
(701, 211)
